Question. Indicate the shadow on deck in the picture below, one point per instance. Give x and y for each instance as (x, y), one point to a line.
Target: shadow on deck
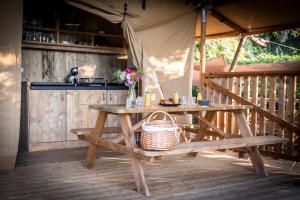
(60, 174)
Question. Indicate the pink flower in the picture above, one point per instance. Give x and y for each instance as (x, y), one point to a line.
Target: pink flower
(138, 76)
(128, 71)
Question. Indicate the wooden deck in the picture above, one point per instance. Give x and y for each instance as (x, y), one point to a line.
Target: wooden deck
(59, 174)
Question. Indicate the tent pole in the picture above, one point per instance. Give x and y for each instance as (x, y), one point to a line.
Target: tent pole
(237, 53)
(203, 15)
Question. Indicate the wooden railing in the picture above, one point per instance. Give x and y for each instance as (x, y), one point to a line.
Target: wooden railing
(275, 100)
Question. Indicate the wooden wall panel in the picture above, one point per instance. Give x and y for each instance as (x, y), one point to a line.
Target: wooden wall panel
(71, 61)
(35, 65)
(59, 69)
(25, 64)
(47, 65)
(55, 66)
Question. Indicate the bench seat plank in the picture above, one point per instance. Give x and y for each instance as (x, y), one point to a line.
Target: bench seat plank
(80, 131)
(214, 145)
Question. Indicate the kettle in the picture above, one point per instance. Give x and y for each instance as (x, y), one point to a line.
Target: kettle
(73, 77)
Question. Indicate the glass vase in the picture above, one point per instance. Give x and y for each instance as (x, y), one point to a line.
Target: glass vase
(131, 97)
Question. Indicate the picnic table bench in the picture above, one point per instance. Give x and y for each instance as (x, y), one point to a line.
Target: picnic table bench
(247, 140)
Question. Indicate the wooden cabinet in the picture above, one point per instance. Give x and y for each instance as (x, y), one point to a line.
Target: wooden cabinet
(53, 113)
(78, 113)
(114, 97)
(47, 116)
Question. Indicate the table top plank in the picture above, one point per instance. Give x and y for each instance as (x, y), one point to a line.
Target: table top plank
(121, 109)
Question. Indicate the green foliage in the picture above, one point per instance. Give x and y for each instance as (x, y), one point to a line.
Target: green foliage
(252, 53)
(195, 91)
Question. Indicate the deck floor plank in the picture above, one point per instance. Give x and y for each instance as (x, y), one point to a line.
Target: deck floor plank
(212, 175)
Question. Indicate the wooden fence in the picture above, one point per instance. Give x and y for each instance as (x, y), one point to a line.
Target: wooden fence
(275, 100)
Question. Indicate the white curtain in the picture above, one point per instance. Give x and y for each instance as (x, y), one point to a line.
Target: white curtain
(160, 40)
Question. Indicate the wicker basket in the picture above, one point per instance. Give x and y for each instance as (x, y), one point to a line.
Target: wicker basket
(159, 134)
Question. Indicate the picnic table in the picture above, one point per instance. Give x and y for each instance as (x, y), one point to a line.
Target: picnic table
(136, 153)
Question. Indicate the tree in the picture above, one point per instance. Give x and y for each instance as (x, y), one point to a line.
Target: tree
(253, 53)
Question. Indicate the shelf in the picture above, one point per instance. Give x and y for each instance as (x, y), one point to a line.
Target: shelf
(32, 28)
(75, 48)
(37, 29)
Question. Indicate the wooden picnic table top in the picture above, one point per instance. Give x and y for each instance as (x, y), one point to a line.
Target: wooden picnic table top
(121, 109)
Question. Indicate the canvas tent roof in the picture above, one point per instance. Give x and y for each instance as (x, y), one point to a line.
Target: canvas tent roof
(225, 17)
(161, 36)
(232, 17)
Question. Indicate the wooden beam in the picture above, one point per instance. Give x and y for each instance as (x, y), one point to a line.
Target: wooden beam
(79, 131)
(98, 131)
(261, 111)
(220, 35)
(253, 152)
(203, 14)
(243, 74)
(227, 21)
(136, 165)
(253, 31)
(237, 54)
(212, 126)
(111, 145)
(257, 41)
(75, 48)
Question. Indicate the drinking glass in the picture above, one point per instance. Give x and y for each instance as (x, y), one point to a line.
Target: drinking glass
(182, 100)
(192, 100)
(140, 101)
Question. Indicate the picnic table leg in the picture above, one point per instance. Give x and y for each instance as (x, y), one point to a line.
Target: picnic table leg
(90, 159)
(253, 152)
(136, 165)
(209, 115)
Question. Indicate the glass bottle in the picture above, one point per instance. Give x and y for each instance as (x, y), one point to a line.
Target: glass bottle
(147, 98)
(199, 96)
(175, 98)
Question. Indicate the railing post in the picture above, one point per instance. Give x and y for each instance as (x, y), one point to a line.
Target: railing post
(254, 101)
(203, 16)
(290, 107)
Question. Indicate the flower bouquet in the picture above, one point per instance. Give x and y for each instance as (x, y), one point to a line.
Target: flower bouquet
(130, 77)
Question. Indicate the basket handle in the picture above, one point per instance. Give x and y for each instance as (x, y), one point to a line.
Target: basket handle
(159, 111)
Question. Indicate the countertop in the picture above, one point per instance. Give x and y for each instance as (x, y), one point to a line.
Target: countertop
(69, 86)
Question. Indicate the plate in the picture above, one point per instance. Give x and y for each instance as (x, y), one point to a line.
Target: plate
(169, 105)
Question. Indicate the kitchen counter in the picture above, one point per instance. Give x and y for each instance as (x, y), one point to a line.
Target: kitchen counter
(69, 86)
(51, 110)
